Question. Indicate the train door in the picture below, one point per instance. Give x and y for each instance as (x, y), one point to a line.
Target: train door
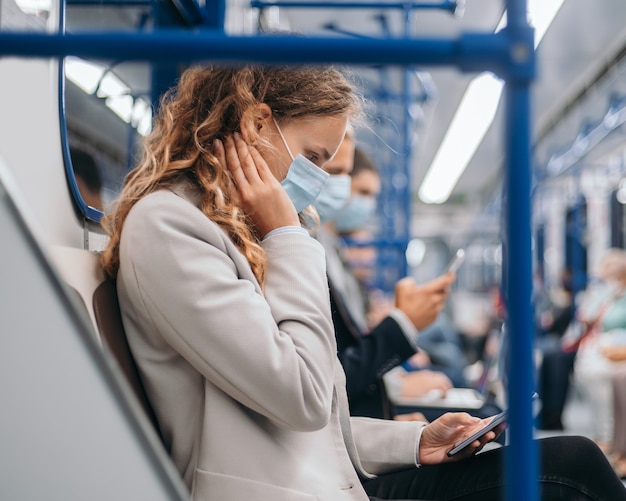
(576, 245)
(617, 216)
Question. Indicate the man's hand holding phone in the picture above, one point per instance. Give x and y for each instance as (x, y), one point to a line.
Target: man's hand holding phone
(422, 303)
(456, 261)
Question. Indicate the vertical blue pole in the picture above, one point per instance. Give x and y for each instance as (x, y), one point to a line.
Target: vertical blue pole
(521, 459)
(407, 144)
(216, 11)
(579, 255)
(163, 74)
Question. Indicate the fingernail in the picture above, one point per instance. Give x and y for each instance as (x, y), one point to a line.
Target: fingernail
(237, 135)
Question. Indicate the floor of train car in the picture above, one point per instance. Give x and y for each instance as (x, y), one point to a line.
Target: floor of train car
(577, 415)
(577, 418)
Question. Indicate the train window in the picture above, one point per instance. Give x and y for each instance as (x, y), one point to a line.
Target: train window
(575, 243)
(107, 109)
(618, 219)
(24, 14)
(539, 250)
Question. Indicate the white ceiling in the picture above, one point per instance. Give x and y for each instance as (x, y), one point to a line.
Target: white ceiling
(584, 36)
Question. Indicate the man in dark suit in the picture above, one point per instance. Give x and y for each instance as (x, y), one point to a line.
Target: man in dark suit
(366, 354)
(369, 353)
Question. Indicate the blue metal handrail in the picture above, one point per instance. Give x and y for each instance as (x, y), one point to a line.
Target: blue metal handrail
(394, 207)
(470, 52)
(587, 139)
(451, 5)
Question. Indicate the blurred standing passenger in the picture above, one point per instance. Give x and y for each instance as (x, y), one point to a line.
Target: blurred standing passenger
(558, 365)
(618, 451)
(601, 352)
(556, 362)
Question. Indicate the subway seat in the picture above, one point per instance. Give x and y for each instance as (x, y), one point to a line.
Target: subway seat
(81, 271)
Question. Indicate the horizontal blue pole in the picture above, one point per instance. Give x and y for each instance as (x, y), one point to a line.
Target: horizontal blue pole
(451, 5)
(109, 3)
(470, 52)
(376, 242)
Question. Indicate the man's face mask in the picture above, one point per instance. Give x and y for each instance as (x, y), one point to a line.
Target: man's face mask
(333, 197)
(304, 181)
(353, 216)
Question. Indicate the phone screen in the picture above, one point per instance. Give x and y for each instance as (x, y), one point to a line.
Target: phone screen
(457, 260)
(498, 419)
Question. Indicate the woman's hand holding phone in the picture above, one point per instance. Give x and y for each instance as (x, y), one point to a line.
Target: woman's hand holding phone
(450, 430)
(498, 420)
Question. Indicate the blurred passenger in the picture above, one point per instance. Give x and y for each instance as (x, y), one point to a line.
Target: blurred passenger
(618, 451)
(557, 367)
(554, 309)
(224, 298)
(367, 354)
(378, 369)
(556, 358)
(553, 386)
(350, 222)
(360, 255)
(439, 343)
(342, 279)
(88, 178)
(601, 352)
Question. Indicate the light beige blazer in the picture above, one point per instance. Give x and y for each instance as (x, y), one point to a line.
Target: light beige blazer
(246, 383)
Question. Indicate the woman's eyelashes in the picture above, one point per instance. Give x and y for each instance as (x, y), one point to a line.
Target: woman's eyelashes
(313, 157)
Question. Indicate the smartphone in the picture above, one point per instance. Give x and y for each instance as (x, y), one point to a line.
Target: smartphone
(457, 261)
(498, 419)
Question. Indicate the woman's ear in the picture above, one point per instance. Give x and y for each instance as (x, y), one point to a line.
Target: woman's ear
(253, 120)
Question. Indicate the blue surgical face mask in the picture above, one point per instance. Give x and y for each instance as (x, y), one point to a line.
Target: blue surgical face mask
(354, 215)
(304, 181)
(333, 197)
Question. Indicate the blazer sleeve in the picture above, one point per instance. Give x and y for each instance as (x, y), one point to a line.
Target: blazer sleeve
(274, 351)
(384, 446)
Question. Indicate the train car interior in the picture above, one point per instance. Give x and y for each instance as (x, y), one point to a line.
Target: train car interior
(513, 151)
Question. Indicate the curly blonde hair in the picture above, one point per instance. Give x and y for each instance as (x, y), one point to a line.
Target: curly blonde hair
(207, 104)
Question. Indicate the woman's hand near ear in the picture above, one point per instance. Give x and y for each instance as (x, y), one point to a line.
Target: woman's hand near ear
(260, 194)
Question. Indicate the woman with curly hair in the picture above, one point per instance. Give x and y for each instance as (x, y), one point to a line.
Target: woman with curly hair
(225, 302)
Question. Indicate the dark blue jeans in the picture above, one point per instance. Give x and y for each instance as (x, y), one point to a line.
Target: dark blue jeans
(553, 386)
(571, 469)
